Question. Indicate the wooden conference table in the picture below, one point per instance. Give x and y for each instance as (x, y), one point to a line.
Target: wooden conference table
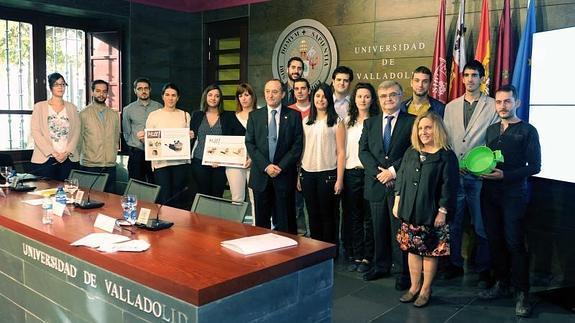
(185, 276)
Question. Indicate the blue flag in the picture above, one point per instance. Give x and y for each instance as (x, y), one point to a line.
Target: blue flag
(522, 71)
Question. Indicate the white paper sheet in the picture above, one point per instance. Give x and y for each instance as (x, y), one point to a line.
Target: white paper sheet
(259, 243)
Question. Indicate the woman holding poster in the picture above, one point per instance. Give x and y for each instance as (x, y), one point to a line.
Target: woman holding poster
(169, 173)
(210, 120)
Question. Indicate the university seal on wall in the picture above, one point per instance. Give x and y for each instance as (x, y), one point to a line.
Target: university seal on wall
(313, 43)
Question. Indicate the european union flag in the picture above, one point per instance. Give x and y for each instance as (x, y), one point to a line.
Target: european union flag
(522, 70)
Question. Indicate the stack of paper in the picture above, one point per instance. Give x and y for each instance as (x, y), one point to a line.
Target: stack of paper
(259, 243)
(109, 242)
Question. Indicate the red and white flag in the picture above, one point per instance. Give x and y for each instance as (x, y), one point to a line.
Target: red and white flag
(505, 59)
(439, 65)
(458, 62)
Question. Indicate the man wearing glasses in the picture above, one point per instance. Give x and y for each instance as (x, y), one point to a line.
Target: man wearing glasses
(384, 140)
(134, 117)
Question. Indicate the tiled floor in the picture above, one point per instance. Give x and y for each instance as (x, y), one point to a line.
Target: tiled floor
(356, 301)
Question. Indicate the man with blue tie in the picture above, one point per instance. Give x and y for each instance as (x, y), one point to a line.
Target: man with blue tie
(384, 140)
(274, 140)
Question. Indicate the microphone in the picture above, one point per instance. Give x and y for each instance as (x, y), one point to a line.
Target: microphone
(18, 185)
(157, 224)
(89, 204)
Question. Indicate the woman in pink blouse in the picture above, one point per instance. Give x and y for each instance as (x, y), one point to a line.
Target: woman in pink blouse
(56, 129)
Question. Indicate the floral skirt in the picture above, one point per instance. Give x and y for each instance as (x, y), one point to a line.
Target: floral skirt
(424, 240)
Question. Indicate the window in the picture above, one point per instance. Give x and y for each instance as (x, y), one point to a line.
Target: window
(16, 77)
(65, 54)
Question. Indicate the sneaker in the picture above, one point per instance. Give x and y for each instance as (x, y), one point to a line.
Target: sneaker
(522, 305)
(498, 290)
(354, 265)
(484, 280)
(364, 267)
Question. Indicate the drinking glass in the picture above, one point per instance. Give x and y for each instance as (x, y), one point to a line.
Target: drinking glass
(5, 171)
(71, 186)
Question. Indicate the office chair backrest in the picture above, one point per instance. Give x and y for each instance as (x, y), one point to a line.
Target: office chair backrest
(86, 179)
(219, 207)
(144, 191)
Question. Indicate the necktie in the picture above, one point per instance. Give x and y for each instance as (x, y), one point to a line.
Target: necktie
(272, 135)
(387, 134)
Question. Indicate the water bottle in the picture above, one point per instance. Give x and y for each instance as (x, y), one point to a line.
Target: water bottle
(47, 210)
(11, 178)
(61, 195)
(129, 203)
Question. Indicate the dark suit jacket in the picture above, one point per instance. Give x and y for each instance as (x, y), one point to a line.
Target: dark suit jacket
(288, 150)
(436, 181)
(231, 126)
(372, 155)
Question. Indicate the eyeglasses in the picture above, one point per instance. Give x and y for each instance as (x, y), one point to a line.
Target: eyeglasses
(392, 95)
(60, 84)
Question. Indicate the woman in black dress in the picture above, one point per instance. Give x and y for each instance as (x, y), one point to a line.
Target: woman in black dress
(426, 190)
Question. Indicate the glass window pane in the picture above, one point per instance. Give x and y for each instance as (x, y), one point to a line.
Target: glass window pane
(16, 72)
(18, 135)
(229, 75)
(229, 90)
(230, 105)
(229, 43)
(229, 59)
(65, 54)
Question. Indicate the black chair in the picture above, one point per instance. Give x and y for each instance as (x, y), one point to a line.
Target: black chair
(87, 179)
(144, 191)
(219, 207)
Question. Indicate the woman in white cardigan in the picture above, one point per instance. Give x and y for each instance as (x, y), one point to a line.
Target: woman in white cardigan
(55, 129)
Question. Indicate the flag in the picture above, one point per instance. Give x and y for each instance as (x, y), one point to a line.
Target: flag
(505, 49)
(483, 50)
(458, 61)
(522, 69)
(439, 65)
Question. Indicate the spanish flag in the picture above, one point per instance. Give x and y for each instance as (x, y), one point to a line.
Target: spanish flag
(483, 51)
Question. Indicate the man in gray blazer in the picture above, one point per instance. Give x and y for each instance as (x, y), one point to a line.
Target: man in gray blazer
(467, 119)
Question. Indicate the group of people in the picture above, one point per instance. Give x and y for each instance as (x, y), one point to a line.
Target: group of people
(65, 139)
(387, 167)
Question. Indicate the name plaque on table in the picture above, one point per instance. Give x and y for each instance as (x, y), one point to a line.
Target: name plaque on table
(167, 144)
(227, 151)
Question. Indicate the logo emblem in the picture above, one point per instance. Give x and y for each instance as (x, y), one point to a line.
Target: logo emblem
(313, 43)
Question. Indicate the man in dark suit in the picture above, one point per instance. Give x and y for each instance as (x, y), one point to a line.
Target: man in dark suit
(274, 139)
(384, 140)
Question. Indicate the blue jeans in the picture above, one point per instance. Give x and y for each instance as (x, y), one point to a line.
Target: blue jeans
(469, 199)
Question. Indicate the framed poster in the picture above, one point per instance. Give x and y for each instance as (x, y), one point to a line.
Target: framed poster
(227, 151)
(167, 144)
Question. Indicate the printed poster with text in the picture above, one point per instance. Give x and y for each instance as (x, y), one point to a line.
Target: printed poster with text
(167, 144)
(227, 151)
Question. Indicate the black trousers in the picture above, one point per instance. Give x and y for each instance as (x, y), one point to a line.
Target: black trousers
(209, 180)
(385, 226)
(320, 202)
(138, 167)
(276, 204)
(504, 218)
(357, 215)
(111, 171)
(54, 170)
(173, 180)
